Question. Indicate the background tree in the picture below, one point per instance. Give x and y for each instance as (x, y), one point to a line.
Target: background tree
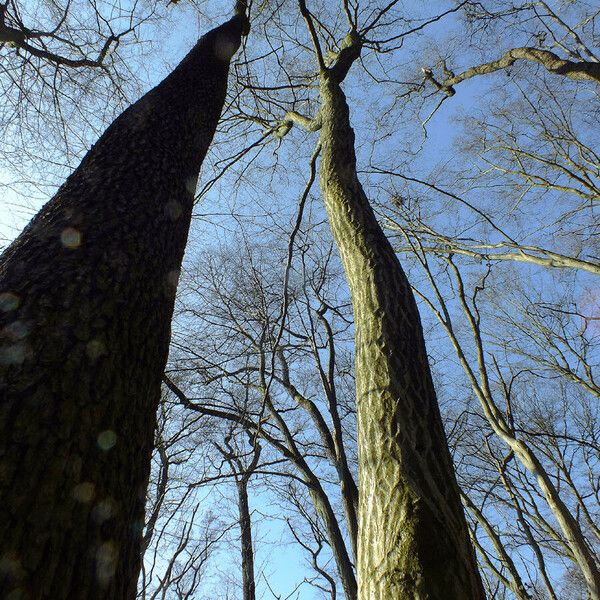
(273, 374)
(241, 475)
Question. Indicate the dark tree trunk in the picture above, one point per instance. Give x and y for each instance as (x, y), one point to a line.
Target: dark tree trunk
(248, 583)
(86, 299)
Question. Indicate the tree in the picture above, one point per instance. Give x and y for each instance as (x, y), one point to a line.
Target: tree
(413, 539)
(232, 368)
(87, 293)
(241, 475)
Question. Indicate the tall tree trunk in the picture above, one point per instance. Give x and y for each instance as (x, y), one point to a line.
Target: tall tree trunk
(86, 300)
(413, 539)
(248, 583)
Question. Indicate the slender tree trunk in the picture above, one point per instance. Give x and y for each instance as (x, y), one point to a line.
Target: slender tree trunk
(320, 501)
(335, 538)
(515, 583)
(248, 583)
(413, 538)
(86, 299)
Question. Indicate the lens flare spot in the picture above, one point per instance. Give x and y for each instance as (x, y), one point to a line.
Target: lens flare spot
(17, 330)
(224, 49)
(84, 492)
(589, 309)
(70, 238)
(107, 440)
(102, 511)
(137, 527)
(173, 278)
(173, 210)
(190, 185)
(13, 354)
(10, 565)
(9, 301)
(106, 562)
(95, 349)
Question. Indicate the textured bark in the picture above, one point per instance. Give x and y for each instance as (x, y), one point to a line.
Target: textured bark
(86, 299)
(413, 539)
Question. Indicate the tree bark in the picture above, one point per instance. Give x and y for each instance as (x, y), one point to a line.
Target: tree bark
(86, 300)
(248, 583)
(413, 539)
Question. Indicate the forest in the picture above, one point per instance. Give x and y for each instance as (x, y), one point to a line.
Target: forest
(299, 300)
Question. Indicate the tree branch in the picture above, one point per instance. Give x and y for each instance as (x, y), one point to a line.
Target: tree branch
(578, 71)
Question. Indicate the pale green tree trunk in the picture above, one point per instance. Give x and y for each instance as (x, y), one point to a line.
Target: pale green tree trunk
(413, 541)
(86, 300)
